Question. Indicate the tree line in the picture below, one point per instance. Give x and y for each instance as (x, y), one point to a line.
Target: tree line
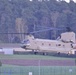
(50, 16)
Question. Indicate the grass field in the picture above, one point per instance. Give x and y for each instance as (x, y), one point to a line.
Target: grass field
(34, 57)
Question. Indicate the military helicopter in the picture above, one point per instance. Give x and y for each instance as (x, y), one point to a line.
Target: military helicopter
(65, 43)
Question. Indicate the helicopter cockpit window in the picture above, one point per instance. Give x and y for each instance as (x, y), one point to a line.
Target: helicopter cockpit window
(26, 41)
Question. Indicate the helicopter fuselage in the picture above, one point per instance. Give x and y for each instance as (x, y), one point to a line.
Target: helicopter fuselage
(64, 44)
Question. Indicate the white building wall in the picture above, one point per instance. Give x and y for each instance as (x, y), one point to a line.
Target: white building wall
(7, 50)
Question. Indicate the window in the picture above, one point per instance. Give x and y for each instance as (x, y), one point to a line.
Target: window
(42, 43)
(49, 44)
(59, 44)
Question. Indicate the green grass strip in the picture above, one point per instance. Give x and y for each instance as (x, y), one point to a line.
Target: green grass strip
(42, 57)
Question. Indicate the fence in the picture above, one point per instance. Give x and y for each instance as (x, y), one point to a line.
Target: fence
(38, 70)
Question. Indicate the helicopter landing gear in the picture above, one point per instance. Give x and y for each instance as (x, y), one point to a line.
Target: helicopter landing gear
(35, 53)
(44, 53)
(58, 53)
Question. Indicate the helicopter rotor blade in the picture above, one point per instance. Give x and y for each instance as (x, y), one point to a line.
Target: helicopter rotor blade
(41, 29)
(44, 30)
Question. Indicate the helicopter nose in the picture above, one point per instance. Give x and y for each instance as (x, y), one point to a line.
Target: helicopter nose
(25, 44)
